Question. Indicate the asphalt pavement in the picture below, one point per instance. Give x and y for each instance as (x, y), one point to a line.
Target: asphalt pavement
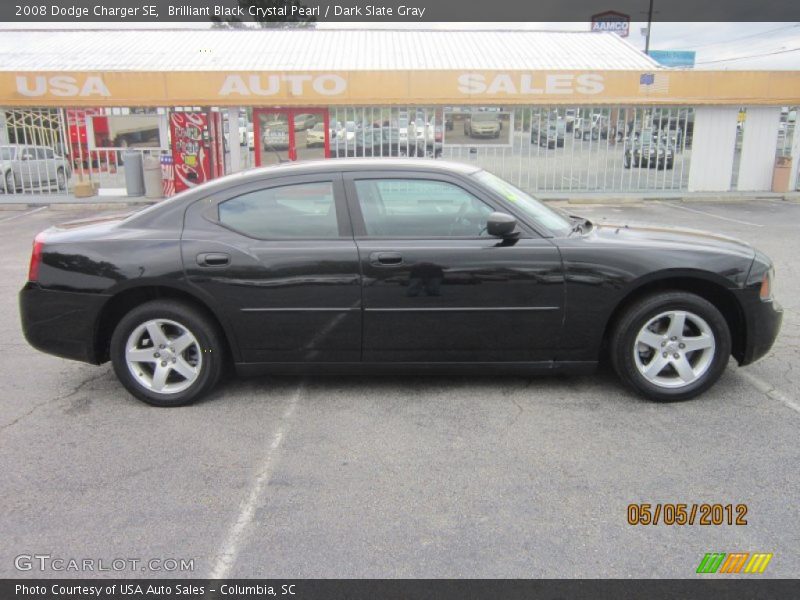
(402, 475)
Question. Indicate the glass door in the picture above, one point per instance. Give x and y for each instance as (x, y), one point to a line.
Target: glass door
(272, 136)
(311, 133)
(284, 135)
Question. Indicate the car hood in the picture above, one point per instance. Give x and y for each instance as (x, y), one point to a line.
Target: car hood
(654, 236)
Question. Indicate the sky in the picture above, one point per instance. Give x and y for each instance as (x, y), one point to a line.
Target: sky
(735, 46)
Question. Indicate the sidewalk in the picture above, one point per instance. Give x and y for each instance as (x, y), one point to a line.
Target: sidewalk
(65, 201)
(107, 202)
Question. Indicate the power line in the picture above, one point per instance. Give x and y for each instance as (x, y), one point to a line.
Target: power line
(745, 37)
(708, 62)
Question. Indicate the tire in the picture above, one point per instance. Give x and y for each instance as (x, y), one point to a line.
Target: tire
(205, 353)
(650, 319)
(61, 179)
(10, 183)
(626, 162)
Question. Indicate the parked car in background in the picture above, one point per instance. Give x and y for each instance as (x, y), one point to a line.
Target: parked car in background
(591, 128)
(304, 121)
(276, 136)
(365, 142)
(483, 124)
(373, 263)
(423, 130)
(569, 118)
(316, 136)
(549, 135)
(648, 150)
(402, 126)
(27, 167)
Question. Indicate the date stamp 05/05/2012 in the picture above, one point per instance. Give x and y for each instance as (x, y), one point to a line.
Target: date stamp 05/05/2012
(687, 514)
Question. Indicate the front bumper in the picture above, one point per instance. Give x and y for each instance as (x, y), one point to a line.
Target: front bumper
(652, 160)
(60, 323)
(484, 132)
(762, 323)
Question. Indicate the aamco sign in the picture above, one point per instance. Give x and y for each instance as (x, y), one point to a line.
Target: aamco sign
(612, 21)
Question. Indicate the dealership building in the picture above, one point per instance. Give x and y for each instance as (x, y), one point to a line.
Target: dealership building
(552, 112)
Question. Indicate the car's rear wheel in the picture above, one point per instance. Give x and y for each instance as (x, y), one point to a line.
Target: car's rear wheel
(10, 183)
(167, 353)
(671, 346)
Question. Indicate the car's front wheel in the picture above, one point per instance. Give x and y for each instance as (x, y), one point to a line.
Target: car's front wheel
(167, 353)
(671, 346)
(61, 179)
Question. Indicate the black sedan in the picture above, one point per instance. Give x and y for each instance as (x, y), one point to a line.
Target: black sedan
(369, 263)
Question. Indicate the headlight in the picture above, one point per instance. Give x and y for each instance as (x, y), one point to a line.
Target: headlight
(767, 288)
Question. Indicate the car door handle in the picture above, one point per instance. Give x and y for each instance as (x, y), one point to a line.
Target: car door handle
(386, 259)
(213, 259)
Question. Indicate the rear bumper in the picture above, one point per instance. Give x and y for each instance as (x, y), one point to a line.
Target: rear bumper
(763, 322)
(60, 323)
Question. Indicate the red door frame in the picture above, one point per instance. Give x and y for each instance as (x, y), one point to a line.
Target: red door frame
(290, 114)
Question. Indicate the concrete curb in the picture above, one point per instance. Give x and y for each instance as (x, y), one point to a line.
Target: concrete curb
(15, 206)
(97, 205)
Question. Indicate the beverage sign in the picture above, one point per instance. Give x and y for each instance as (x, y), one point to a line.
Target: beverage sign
(189, 149)
(612, 21)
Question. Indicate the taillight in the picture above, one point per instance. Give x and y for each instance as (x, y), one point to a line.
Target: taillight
(766, 285)
(36, 258)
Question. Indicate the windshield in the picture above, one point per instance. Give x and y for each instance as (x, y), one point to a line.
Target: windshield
(534, 209)
(483, 117)
(7, 152)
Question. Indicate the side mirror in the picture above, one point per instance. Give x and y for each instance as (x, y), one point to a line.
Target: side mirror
(501, 225)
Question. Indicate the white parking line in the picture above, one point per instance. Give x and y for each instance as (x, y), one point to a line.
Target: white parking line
(702, 212)
(30, 212)
(769, 390)
(226, 557)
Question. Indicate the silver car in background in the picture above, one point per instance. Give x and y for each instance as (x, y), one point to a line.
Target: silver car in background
(26, 167)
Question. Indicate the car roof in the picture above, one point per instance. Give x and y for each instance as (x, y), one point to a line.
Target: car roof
(340, 165)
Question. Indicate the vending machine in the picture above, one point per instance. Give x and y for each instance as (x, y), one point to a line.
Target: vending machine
(198, 151)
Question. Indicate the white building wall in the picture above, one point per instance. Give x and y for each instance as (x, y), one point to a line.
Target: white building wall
(759, 144)
(713, 145)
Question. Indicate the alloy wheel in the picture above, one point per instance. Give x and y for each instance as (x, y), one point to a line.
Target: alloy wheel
(163, 356)
(674, 349)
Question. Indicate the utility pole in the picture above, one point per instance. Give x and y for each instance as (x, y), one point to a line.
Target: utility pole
(649, 25)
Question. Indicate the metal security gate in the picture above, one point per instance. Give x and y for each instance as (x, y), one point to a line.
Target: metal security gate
(48, 150)
(32, 151)
(538, 148)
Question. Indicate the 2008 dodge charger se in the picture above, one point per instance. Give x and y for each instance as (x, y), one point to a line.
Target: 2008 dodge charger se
(386, 262)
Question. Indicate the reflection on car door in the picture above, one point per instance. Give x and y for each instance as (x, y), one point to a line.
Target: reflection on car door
(436, 287)
(279, 258)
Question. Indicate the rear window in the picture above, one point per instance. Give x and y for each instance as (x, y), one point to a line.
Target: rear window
(302, 211)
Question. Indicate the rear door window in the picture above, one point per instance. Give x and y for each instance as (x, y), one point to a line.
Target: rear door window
(298, 211)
